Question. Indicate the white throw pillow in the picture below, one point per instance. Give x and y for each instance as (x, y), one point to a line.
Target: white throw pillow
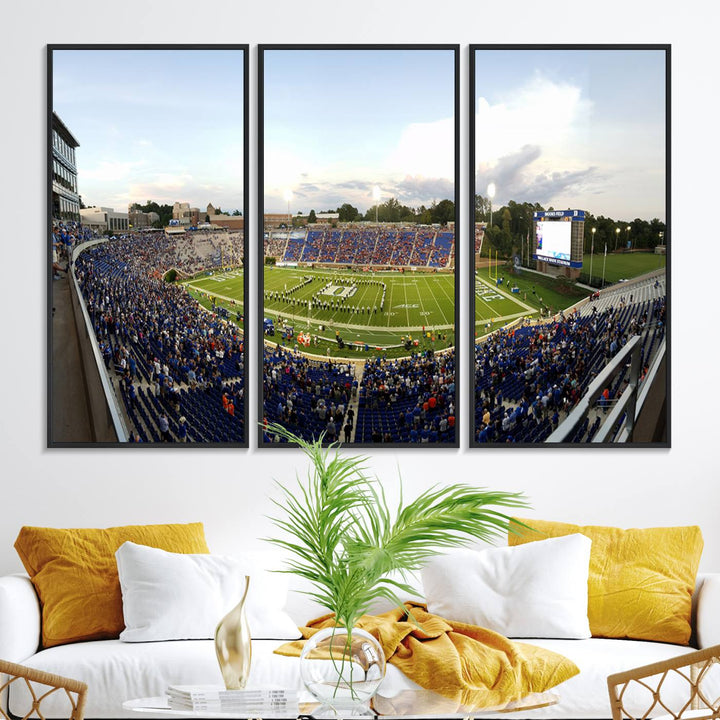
(536, 590)
(176, 596)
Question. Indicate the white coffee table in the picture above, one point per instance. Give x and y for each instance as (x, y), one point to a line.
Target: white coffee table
(406, 705)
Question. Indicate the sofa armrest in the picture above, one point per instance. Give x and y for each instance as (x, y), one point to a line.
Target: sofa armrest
(19, 618)
(708, 610)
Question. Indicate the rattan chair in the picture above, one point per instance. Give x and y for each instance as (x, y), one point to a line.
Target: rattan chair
(41, 685)
(693, 680)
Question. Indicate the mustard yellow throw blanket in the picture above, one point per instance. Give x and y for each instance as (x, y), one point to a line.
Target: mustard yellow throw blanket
(468, 665)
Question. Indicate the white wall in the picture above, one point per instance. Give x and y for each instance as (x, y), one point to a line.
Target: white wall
(227, 489)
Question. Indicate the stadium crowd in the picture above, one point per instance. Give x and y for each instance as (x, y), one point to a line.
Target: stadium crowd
(63, 238)
(307, 397)
(377, 246)
(176, 362)
(527, 379)
(407, 400)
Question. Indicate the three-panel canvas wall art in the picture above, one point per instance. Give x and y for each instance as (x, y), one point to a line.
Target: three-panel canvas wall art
(331, 305)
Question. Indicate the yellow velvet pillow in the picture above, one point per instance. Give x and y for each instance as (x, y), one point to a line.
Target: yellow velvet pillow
(76, 578)
(641, 581)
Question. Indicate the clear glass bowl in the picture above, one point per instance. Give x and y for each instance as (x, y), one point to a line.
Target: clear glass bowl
(342, 673)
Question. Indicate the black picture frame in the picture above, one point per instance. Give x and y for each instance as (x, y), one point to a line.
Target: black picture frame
(260, 334)
(105, 422)
(652, 429)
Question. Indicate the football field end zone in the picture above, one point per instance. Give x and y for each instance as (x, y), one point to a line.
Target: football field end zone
(526, 310)
(236, 304)
(233, 275)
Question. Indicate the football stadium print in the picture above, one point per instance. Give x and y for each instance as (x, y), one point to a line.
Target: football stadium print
(564, 248)
(568, 266)
(147, 203)
(358, 285)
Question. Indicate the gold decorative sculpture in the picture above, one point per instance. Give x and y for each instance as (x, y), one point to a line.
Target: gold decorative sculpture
(233, 646)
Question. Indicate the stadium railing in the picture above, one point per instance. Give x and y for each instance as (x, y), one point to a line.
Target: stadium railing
(619, 424)
(106, 414)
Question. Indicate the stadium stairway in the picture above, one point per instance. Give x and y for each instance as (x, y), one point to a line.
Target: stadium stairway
(354, 399)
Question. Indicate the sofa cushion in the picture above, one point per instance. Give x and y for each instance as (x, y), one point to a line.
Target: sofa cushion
(75, 574)
(530, 591)
(641, 580)
(183, 596)
(117, 671)
(19, 618)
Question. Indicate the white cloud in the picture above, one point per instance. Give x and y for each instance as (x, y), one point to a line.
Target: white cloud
(419, 167)
(111, 170)
(535, 142)
(424, 150)
(284, 170)
(163, 188)
(544, 113)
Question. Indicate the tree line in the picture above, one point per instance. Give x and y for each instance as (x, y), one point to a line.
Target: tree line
(392, 211)
(512, 228)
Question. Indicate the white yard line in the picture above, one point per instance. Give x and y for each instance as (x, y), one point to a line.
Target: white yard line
(407, 309)
(449, 297)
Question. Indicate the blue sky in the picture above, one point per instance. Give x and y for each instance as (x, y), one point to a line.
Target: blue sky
(161, 125)
(339, 122)
(573, 129)
(564, 128)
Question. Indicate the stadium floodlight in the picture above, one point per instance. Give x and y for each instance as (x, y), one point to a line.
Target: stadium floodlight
(491, 195)
(377, 194)
(592, 251)
(288, 196)
(617, 236)
(604, 259)
(627, 235)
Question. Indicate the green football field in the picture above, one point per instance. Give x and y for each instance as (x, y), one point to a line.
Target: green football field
(618, 266)
(496, 304)
(385, 309)
(373, 309)
(225, 288)
(349, 304)
(378, 309)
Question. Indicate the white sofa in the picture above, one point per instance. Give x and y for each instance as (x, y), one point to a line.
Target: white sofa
(117, 671)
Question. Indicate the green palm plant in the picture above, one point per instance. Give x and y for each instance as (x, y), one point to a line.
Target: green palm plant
(343, 537)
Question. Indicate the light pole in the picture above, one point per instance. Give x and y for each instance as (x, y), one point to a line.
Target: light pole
(288, 196)
(592, 251)
(627, 235)
(491, 195)
(604, 259)
(529, 218)
(377, 194)
(617, 236)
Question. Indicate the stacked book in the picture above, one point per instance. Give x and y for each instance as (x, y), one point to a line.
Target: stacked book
(251, 702)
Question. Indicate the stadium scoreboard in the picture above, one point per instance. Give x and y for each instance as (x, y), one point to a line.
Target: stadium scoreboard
(559, 237)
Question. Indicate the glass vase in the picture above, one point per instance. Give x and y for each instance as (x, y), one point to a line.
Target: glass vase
(233, 645)
(342, 670)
